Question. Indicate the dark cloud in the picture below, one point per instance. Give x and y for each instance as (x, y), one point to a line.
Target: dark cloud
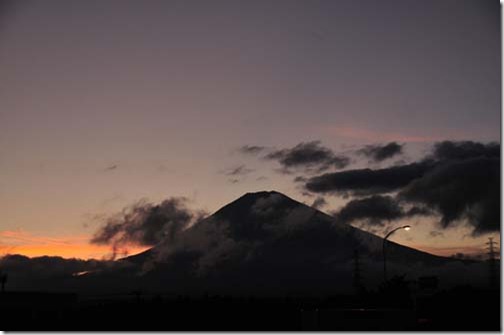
(319, 202)
(449, 150)
(368, 181)
(378, 153)
(239, 171)
(467, 189)
(308, 156)
(147, 224)
(375, 210)
(251, 149)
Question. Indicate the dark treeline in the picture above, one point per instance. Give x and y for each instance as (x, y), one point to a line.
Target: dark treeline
(391, 308)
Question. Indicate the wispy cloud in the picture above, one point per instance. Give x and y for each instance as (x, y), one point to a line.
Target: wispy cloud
(240, 170)
(111, 167)
(251, 149)
(237, 173)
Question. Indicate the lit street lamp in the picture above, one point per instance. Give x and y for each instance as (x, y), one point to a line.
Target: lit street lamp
(383, 248)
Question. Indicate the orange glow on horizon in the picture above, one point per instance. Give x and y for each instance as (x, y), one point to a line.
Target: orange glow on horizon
(450, 251)
(75, 246)
(78, 246)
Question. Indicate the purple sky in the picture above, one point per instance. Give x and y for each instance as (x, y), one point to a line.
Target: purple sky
(106, 102)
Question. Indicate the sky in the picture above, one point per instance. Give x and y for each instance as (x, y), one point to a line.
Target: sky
(104, 104)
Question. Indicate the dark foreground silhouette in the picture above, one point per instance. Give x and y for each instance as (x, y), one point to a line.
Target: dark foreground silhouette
(393, 307)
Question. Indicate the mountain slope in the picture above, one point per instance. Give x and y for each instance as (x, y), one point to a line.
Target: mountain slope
(267, 242)
(263, 243)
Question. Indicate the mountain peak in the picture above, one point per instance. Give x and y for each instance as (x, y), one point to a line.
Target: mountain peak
(262, 194)
(256, 201)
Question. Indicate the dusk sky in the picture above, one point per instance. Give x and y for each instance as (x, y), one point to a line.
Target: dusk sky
(105, 103)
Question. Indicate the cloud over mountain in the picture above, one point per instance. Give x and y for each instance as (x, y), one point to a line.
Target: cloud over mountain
(147, 224)
(319, 202)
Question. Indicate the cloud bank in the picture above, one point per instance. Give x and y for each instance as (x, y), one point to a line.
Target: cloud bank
(460, 181)
(368, 181)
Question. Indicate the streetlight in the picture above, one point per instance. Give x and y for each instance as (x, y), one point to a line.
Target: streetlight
(407, 227)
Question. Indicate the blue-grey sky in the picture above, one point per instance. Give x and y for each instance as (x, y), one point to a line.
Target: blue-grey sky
(106, 102)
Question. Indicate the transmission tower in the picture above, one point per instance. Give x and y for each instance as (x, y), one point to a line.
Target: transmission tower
(492, 262)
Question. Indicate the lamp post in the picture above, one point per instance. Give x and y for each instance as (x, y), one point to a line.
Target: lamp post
(383, 248)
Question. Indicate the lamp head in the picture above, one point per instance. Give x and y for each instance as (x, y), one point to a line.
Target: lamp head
(407, 228)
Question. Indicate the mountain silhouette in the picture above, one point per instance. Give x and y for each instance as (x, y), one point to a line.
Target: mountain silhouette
(268, 243)
(261, 244)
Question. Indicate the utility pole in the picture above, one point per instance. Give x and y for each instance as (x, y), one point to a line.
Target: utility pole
(492, 262)
(407, 227)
